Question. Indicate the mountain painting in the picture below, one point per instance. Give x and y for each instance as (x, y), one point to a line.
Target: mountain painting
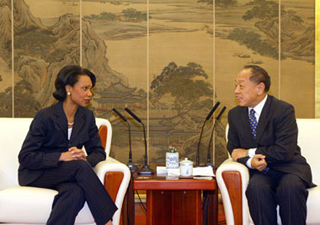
(169, 61)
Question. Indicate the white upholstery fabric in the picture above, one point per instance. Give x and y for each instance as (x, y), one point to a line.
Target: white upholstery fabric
(309, 141)
(25, 200)
(29, 205)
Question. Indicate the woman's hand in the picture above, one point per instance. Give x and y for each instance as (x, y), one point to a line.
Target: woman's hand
(73, 154)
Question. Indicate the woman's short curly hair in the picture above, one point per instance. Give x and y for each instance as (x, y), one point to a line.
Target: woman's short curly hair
(69, 75)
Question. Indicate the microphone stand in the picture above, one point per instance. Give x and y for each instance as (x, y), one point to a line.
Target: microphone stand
(207, 118)
(130, 164)
(198, 148)
(145, 170)
(209, 153)
(211, 137)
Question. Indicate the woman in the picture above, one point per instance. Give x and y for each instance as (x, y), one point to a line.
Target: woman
(52, 155)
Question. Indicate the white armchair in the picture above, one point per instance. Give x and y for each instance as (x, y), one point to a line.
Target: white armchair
(233, 177)
(30, 205)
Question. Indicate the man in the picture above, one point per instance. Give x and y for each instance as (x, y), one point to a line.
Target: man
(265, 140)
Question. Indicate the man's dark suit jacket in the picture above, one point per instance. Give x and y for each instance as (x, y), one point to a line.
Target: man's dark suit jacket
(48, 138)
(276, 138)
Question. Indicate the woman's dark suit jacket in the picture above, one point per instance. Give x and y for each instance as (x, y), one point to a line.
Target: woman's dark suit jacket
(276, 138)
(48, 138)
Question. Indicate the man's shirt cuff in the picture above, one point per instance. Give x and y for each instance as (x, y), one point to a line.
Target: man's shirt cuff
(252, 152)
(248, 163)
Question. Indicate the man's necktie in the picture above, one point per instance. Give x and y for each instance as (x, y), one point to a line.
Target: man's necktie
(253, 123)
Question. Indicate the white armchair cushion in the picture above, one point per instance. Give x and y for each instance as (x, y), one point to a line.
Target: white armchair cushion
(32, 205)
(313, 210)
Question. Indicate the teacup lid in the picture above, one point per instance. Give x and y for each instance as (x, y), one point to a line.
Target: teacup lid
(186, 161)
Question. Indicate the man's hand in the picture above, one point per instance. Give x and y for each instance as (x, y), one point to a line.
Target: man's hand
(239, 153)
(109, 222)
(259, 162)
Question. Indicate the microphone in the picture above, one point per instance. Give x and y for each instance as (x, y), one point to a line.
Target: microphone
(133, 115)
(221, 112)
(207, 118)
(212, 110)
(211, 137)
(120, 115)
(130, 164)
(145, 170)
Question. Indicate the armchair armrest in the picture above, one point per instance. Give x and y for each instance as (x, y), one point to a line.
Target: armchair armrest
(115, 176)
(232, 178)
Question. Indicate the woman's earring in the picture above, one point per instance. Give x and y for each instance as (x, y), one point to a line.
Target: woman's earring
(69, 93)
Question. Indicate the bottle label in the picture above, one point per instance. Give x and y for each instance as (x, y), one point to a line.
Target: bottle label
(172, 160)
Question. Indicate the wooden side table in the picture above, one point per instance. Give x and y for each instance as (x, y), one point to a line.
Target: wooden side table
(177, 202)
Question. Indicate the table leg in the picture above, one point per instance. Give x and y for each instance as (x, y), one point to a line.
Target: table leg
(128, 207)
(210, 209)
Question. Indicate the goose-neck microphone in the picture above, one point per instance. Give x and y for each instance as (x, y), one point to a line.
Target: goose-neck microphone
(145, 170)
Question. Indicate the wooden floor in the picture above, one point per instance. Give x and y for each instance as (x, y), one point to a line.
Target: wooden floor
(140, 215)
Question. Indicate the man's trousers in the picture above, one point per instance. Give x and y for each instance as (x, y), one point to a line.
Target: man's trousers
(266, 191)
